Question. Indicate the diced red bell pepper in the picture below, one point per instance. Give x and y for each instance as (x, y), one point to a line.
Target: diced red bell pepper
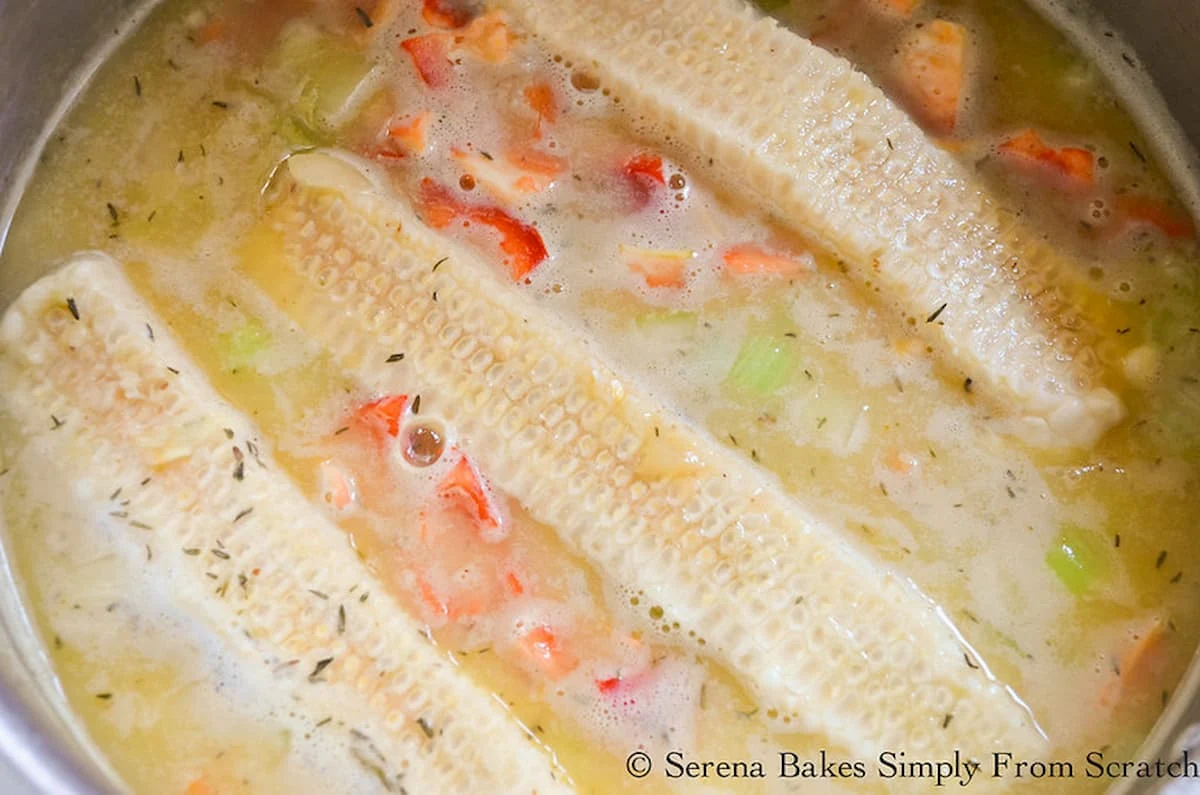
(608, 685)
(644, 175)
(383, 416)
(521, 242)
(463, 487)
(430, 54)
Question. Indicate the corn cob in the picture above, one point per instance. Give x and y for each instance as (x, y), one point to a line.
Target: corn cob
(83, 360)
(818, 145)
(828, 640)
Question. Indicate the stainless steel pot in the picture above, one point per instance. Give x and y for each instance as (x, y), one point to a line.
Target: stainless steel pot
(49, 49)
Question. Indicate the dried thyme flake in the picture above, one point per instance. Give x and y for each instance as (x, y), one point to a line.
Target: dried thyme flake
(319, 668)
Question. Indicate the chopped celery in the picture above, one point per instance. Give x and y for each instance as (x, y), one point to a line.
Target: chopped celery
(763, 366)
(240, 348)
(661, 318)
(320, 77)
(1078, 558)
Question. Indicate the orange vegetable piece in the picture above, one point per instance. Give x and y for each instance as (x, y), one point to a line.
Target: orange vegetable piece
(537, 161)
(447, 14)
(521, 242)
(430, 55)
(1144, 210)
(383, 416)
(900, 462)
(749, 258)
(542, 648)
(213, 30)
(932, 75)
(658, 268)
(463, 487)
(439, 207)
(410, 135)
(903, 8)
(1139, 667)
(488, 37)
(540, 97)
(462, 604)
(200, 787)
(1074, 165)
(336, 486)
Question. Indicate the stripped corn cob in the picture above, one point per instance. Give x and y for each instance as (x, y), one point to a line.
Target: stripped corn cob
(820, 146)
(129, 409)
(827, 640)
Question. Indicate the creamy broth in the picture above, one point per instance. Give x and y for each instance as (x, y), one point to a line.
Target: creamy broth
(1070, 572)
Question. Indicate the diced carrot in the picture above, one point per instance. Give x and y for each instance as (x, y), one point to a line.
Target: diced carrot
(430, 55)
(463, 488)
(383, 416)
(337, 488)
(432, 600)
(542, 648)
(900, 462)
(540, 97)
(1139, 667)
(457, 600)
(903, 8)
(403, 137)
(536, 160)
(931, 76)
(521, 172)
(1136, 210)
(439, 207)
(659, 267)
(749, 258)
(411, 134)
(200, 786)
(521, 242)
(213, 30)
(488, 37)
(447, 14)
(1071, 164)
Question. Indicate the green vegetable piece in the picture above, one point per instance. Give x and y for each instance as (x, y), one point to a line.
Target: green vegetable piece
(1078, 558)
(321, 75)
(764, 365)
(241, 348)
(664, 318)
